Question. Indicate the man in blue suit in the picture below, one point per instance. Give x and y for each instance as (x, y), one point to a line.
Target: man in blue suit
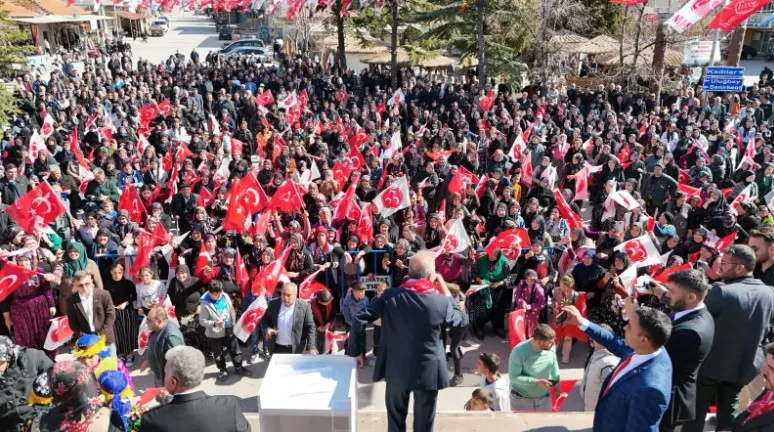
(410, 357)
(636, 394)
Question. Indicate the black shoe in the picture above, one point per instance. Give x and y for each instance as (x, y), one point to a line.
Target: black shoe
(455, 381)
(222, 375)
(266, 356)
(242, 371)
(500, 333)
(479, 334)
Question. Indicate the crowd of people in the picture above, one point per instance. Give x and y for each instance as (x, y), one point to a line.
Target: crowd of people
(193, 192)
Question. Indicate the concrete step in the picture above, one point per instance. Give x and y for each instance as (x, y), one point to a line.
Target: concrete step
(376, 421)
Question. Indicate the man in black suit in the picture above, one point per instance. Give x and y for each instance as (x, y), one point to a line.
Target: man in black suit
(689, 344)
(289, 324)
(13, 186)
(183, 205)
(191, 409)
(741, 307)
(410, 357)
(759, 416)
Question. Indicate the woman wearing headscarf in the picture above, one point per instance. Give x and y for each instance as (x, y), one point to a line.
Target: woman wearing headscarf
(530, 296)
(433, 231)
(77, 406)
(537, 231)
(126, 327)
(75, 260)
(586, 274)
(299, 264)
(30, 308)
(495, 222)
(608, 287)
(486, 304)
(19, 366)
(717, 213)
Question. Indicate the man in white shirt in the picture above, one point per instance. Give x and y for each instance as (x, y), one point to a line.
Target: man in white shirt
(488, 365)
(91, 310)
(288, 323)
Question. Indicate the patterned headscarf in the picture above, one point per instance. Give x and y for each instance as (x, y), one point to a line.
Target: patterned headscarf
(8, 350)
(75, 396)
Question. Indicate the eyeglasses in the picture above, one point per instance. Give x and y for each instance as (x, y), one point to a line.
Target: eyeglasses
(727, 263)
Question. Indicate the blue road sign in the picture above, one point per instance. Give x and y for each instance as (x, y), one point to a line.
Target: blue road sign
(723, 84)
(725, 72)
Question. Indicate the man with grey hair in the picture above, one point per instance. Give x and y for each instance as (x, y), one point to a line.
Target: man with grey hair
(101, 188)
(410, 357)
(190, 407)
(735, 357)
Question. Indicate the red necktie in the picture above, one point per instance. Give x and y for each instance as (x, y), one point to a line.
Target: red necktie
(617, 370)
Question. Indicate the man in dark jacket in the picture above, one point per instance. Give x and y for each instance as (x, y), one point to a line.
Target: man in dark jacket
(191, 408)
(657, 187)
(411, 357)
(163, 338)
(735, 357)
(693, 330)
(19, 366)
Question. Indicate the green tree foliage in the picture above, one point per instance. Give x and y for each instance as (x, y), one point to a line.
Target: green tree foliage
(604, 16)
(507, 31)
(14, 44)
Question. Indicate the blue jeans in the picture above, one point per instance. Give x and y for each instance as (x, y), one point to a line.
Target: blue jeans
(256, 337)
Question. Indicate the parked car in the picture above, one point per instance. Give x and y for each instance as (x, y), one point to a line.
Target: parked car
(748, 52)
(158, 27)
(225, 33)
(254, 54)
(255, 43)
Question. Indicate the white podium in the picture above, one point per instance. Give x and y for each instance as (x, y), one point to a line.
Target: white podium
(309, 393)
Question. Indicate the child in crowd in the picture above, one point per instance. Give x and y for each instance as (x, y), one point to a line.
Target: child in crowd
(217, 316)
(565, 295)
(457, 334)
(488, 365)
(353, 303)
(480, 400)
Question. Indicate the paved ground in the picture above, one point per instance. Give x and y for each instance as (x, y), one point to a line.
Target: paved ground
(186, 32)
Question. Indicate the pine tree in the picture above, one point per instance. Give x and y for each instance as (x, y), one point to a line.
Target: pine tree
(14, 44)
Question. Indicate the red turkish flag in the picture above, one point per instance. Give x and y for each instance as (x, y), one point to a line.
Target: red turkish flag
(381, 108)
(205, 198)
(735, 13)
(203, 260)
(11, 277)
(267, 279)
(254, 196)
(238, 209)
(340, 172)
(365, 225)
(145, 244)
(165, 107)
(487, 101)
(264, 98)
(663, 276)
(567, 212)
(58, 333)
(37, 208)
(510, 242)
(261, 225)
(245, 325)
(565, 386)
(148, 395)
(517, 330)
(332, 339)
(183, 152)
(725, 241)
(683, 177)
(461, 179)
(242, 278)
(582, 185)
(688, 190)
(347, 207)
(130, 201)
(310, 286)
(148, 113)
(75, 148)
(526, 168)
(286, 198)
(142, 336)
(303, 100)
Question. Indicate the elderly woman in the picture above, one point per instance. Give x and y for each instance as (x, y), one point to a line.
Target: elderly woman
(19, 366)
(77, 405)
(489, 303)
(31, 307)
